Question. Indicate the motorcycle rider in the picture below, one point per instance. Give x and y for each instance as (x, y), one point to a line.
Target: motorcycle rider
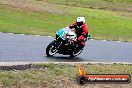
(81, 30)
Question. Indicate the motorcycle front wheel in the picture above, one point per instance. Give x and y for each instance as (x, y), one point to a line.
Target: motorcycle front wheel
(51, 49)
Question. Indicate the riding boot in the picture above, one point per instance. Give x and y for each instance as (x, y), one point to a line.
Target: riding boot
(80, 46)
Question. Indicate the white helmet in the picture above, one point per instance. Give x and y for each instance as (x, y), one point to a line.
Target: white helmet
(81, 19)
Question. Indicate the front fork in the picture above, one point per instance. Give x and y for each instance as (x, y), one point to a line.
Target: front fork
(57, 44)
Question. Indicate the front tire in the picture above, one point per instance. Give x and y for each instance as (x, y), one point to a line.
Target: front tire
(51, 50)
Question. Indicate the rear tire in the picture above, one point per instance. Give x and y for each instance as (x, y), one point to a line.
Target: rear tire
(76, 54)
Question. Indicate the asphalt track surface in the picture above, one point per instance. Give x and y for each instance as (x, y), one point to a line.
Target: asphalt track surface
(31, 48)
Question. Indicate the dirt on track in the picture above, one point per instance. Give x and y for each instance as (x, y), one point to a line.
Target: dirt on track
(36, 6)
(16, 3)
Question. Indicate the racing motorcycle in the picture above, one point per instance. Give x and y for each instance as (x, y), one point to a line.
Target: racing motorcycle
(64, 43)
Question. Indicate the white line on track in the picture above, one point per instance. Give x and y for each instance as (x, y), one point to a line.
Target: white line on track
(49, 36)
(37, 35)
(25, 63)
(10, 33)
(118, 41)
(91, 39)
(22, 34)
(104, 40)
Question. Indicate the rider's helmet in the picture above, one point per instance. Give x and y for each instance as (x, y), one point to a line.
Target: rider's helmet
(80, 21)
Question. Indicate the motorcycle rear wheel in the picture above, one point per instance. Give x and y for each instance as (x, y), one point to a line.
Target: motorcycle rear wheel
(76, 54)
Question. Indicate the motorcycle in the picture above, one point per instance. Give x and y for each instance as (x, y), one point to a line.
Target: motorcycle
(64, 43)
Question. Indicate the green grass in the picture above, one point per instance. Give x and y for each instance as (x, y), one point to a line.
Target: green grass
(103, 24)
(20, 21)
(45, 73)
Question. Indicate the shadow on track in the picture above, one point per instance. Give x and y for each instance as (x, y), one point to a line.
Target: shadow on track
(65, 58)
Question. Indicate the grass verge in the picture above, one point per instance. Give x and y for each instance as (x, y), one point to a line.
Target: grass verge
(59, 75)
